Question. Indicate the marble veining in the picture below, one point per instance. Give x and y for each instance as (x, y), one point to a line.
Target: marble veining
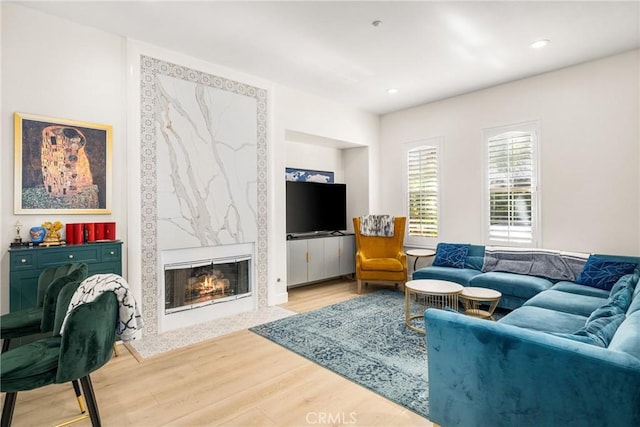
(207, 146)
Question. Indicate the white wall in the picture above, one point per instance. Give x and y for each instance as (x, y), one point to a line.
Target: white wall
(311, 115)
(589, 147)
(57, 69)
(314, 157)
(80, 73)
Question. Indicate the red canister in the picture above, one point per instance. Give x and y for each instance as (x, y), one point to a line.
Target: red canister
(110, 230)
(99, 227)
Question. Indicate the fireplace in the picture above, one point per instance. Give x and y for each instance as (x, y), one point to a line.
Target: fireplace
(205, 283)
(194, 284)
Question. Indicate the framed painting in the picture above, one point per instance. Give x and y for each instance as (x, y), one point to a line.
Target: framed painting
(294, 174)
(61, 166)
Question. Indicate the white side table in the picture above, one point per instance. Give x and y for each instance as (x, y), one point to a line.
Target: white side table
(472, 298)
(432, 294)
(420, 253)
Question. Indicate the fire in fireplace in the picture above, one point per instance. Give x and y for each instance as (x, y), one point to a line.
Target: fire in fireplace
(190, 285)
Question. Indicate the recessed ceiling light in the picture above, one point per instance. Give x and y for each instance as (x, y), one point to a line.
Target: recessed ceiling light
(538, 44)
(392, 91)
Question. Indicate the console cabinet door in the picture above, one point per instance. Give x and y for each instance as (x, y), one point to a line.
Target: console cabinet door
(315, 260)
(296, 262)
(331, 257)
(347, 255)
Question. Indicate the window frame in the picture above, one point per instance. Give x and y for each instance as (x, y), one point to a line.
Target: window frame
(437, 143)
(532, 127)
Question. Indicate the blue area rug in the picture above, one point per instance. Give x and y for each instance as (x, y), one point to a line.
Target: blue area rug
(366, 341)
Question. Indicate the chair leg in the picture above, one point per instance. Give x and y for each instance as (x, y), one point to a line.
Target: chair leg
(7, 408)
(359, 286)
(92, 405)
(5, 344)
(76, 389)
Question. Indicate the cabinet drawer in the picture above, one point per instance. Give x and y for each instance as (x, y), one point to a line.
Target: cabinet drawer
(85, 254)
(20, 261)
(110, 253)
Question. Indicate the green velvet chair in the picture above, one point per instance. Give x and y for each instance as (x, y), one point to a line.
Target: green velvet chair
(84, 345)
(39, 319)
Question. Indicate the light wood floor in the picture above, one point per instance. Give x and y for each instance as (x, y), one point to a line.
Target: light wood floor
(240, 379)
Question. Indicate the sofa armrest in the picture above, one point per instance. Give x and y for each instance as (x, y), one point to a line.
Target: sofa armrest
(486, 373)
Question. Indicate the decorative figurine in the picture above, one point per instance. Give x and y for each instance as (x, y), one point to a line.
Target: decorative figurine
(53, 233)
(17, 241)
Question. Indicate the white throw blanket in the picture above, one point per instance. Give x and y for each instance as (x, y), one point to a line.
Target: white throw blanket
(129, 318)
(377, 225)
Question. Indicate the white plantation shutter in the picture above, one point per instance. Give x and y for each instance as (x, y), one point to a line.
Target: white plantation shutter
(511, 174)
(422, 192)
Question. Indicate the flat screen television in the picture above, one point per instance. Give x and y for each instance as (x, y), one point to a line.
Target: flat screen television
(316, 207)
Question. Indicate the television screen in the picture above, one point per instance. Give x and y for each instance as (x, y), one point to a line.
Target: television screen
(313, 207)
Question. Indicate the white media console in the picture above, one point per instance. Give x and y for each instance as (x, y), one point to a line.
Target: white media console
(313, 259)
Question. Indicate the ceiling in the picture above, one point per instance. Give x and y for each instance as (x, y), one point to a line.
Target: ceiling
(427, 50)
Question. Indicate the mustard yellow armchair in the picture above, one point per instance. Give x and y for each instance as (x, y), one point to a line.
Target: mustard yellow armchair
(381, 259)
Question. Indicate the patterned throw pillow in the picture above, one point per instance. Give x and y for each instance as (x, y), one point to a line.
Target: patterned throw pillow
(451, 255)
(603, 274)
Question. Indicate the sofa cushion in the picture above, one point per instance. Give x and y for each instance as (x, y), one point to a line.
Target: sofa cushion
(566, 302)
(602, 273)
(626, 337)
(543, 319)
(451, 255)
(574, 288)
(461, 276)
(634, 307)
(511, 284)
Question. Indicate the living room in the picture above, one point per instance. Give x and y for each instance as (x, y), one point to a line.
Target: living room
(588, 115)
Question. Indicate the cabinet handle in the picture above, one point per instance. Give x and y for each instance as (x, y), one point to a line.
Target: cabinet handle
(71, 256)
(23, 260)
(308, 257)
(112, 253)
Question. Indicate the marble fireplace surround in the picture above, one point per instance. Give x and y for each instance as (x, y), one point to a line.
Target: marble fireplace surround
(180, 106)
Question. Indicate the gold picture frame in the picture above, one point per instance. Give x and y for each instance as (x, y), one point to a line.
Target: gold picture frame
(61, 166)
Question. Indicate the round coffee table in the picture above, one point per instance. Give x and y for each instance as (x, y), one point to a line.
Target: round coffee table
(472, 298)
(431, 294)
(420, 253)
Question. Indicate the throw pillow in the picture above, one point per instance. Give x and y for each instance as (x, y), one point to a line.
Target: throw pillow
(603, 274)
(622, 293)
(601, 329)
(451, 255)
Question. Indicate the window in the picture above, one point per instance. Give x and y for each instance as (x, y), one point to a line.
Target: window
(422, 191)
(511, 184)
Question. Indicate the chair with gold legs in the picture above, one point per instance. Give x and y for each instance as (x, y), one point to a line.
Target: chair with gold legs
(81, 346)
(39, 320)
(380, 256)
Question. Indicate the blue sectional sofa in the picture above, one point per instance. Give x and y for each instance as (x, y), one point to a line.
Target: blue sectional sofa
(568, 356)
(505, 271)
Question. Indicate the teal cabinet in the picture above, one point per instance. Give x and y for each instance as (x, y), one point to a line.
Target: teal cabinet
(27, 263)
